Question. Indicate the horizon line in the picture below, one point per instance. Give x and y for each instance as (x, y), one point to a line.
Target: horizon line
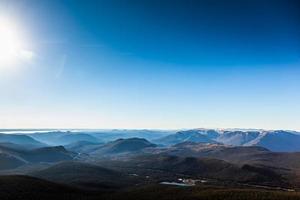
(157, 129)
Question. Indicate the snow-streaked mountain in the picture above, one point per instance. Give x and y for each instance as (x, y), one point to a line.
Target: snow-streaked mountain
(279, 140)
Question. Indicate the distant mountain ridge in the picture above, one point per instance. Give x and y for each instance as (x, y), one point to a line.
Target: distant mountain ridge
(63, 137)
(71, 136)
(19, 139)
(275, 140)
(278, 140)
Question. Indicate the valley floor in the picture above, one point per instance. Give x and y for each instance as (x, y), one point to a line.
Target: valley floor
(29, 188)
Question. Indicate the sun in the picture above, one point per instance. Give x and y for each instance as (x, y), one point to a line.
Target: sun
(11, 44)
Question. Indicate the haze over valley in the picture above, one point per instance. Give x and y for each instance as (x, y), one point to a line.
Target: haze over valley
(149, 99)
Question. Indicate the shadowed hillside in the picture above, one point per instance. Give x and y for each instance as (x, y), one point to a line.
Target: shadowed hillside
(13, 156)
(86, 176)
(29, 188)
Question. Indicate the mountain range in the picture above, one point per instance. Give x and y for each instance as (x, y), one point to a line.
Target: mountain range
(273, 140)
(95, 165)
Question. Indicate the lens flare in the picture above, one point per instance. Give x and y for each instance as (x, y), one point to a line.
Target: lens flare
(11, 45)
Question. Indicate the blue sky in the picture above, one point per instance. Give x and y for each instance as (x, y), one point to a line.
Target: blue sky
(154, 64)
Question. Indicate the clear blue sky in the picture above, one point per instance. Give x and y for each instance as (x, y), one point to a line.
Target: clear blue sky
(154, 64)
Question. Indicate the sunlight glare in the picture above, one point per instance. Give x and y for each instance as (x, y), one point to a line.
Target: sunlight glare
(11, 49)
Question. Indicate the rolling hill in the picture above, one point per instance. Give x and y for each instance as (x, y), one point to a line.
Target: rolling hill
(63, 137)
(122, 146)
(85, 175)
(10, 162)
(15, 157)
(29, 188)
(234, 154)
(22, 140)
(168, 168)
(83, 146)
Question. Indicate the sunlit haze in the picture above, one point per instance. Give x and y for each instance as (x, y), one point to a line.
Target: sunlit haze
(12, 47)
(173, 65)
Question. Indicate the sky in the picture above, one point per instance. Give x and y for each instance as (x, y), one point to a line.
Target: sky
(138, 64)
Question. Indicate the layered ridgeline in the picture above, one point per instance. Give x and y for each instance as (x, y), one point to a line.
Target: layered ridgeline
(93, 162)
(20, 139)
(277, 140)
(273, 140)
(95, 136)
